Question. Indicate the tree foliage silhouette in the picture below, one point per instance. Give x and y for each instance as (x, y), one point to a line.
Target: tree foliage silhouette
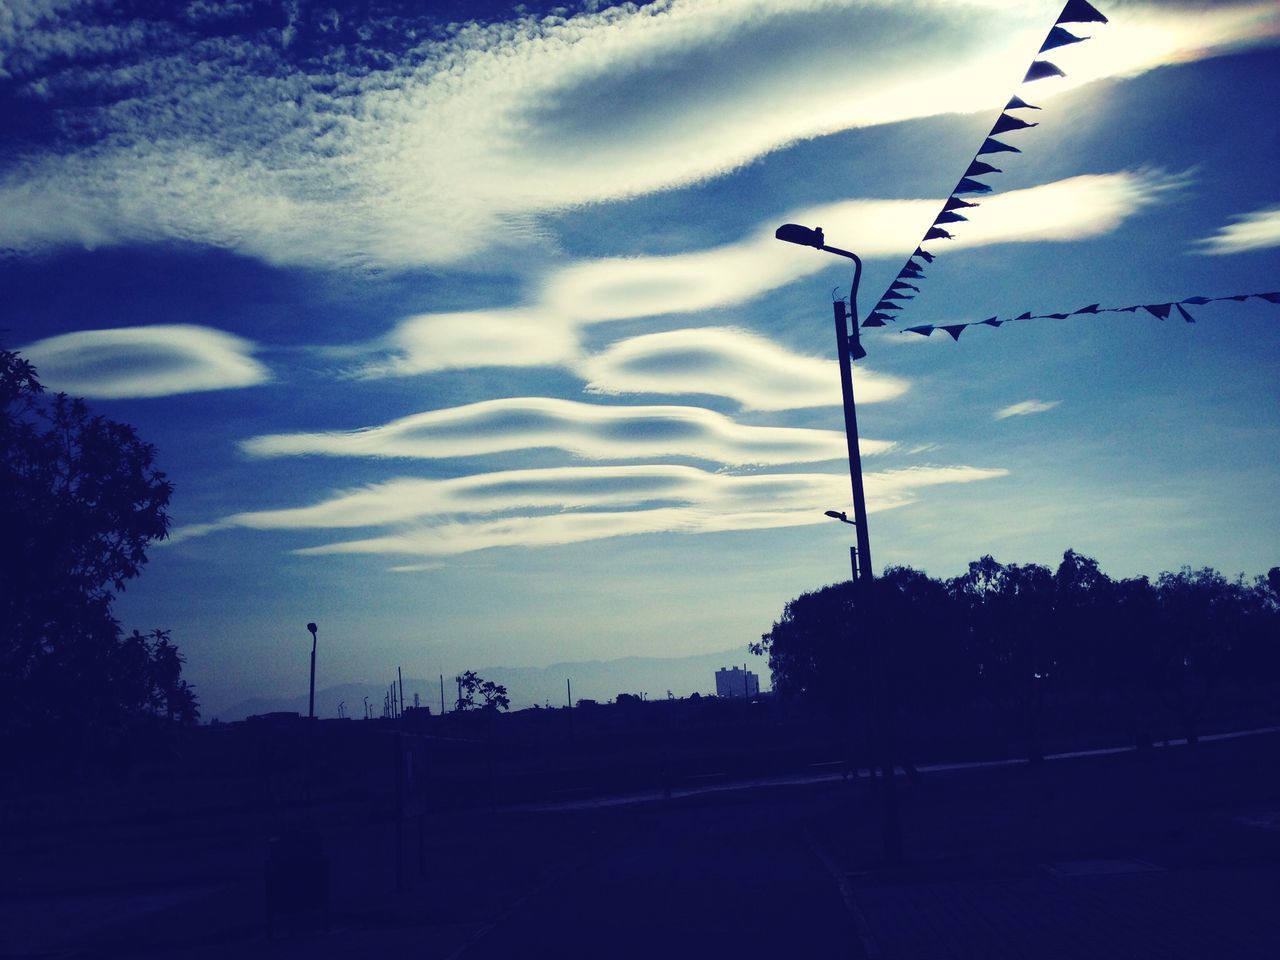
(476, 693)
(1020, 637)
(80, 502)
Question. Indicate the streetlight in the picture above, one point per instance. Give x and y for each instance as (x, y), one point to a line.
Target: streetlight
(848, 349)
(311, 700)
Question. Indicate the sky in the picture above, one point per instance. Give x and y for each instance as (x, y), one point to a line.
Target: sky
(461, 329)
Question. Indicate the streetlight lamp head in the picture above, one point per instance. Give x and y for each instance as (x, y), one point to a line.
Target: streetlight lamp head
(312, 628)
(806, 237)
(837, 515)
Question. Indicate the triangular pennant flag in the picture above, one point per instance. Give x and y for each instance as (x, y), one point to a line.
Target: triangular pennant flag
(970, 186)
(882, 305)
(991, 322)
(1122, 310)
(912, 270)
(1040, 69)
(895, 295)
(992, 145)
(1054, 316)
(1269, 297)
(954, 329)
(1201, 301)
(925, 255)
(1238, 298)
(937, 233)
(1023, 316)
(1160, 310)
(1091, 308)
(948, 217)
(924, 330)
(900, 285)
(955, 203)
(875, 320)
(1185, 316)
(1017, 103)
(1080, 11)
(1058, 37)
(979, 167)
(1007, 123)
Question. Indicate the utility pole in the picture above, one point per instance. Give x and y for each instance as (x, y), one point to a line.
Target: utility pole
(311, 699)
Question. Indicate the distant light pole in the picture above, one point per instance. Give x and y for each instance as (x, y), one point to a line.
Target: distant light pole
(848, 349)
(311, 700)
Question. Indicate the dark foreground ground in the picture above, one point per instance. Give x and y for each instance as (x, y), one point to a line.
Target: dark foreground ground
(1171, 855)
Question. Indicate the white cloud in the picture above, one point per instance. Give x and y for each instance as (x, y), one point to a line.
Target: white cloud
(544, 507)
(758, 373)
(514, 337)
(1071, 209)
(1025, 407)
(591, 431)
(1251, 231)
(154, 361)
(364, 163)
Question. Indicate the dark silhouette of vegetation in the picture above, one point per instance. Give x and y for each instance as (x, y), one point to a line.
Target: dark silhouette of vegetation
(492, 697)
(1015, 637)
(80, 502)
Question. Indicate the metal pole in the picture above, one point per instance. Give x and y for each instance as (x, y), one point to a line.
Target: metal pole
(890, 827)
(311, 699)
(864, 571)
(400, 678)
(442, 694)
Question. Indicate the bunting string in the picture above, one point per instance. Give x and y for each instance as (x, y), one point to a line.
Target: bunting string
(1075, 11)
(1163, 311)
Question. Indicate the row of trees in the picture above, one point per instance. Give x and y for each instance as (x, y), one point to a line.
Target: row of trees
(80, 502)
(1017, 636)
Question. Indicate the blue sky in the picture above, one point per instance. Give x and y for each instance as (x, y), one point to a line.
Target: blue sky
(466, 336)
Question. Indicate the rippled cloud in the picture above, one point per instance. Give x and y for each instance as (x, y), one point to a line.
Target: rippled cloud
(590, 431)
(545, 507)
(755, 371)
(351, 153)
(155, 361)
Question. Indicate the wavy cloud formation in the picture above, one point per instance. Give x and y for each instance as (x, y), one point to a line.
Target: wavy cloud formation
(516, 337)
(585, 430)
(1073, 209)
(756, 372)
(156, 361)
(1024, 408)
(1251, 231)
(350, 153)
(572, 504)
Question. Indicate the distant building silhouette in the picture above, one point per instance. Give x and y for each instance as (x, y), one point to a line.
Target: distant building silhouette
(736, 682)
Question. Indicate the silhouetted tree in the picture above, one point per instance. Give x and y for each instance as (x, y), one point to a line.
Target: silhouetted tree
(492, 696)
(1009, 612)
(1201, 617)
(80, 502)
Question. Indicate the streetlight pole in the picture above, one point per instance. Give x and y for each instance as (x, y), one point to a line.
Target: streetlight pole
(848, 349)
(311, 700)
